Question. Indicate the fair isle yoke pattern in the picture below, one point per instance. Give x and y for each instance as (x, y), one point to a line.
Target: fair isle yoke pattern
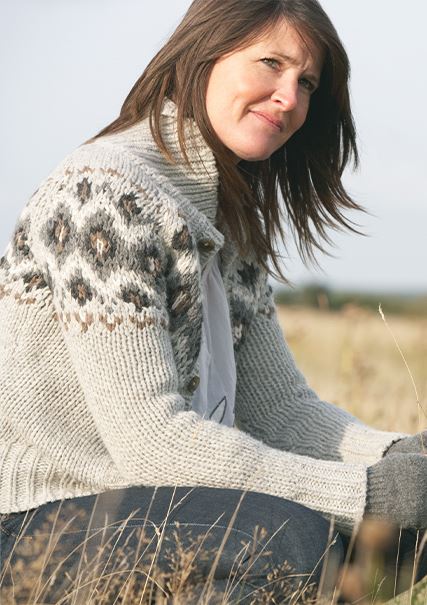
(100, 329)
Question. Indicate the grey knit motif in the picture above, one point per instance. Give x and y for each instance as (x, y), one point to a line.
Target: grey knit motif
(97, 236)
(184, 298)
(20, 275)
(59, 234)
(247, 294)
(20, 249)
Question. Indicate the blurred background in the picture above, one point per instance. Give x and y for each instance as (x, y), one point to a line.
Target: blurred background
(65, 70)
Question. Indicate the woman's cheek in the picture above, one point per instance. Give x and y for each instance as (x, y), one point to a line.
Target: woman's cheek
(301, 114)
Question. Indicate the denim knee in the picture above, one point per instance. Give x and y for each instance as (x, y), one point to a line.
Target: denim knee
(302, 536)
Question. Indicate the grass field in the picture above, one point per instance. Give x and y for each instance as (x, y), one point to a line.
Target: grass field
(351, 359)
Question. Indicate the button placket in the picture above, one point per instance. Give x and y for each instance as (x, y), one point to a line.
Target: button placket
(207, 249)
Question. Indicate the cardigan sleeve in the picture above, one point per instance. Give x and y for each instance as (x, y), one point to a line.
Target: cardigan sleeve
(275, 404)
(105, 262)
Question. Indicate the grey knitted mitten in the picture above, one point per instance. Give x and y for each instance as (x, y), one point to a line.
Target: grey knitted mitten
(397, 490)
(413, 444)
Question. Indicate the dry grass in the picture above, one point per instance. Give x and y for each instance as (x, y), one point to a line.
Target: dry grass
(107, 568)
(350, 359)
(115, 572)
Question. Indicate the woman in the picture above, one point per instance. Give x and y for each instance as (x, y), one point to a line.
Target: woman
(143, 370)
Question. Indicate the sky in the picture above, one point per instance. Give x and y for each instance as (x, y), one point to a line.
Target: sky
(66, 67)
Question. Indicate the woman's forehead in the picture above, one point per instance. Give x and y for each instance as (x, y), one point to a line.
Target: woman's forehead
(292, 43)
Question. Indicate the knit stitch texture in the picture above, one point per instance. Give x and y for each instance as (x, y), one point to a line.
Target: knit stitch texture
(100, 327)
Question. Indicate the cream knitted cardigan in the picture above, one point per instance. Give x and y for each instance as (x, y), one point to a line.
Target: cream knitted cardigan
(100, 325)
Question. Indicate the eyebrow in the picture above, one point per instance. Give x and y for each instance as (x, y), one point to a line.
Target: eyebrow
(293, 61)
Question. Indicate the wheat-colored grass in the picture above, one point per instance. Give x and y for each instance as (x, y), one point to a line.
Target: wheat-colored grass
(351, 360)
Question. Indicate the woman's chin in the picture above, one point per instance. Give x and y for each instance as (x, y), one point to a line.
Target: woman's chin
(253, 155)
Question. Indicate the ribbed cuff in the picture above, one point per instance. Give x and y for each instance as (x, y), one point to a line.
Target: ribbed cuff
(377, 492)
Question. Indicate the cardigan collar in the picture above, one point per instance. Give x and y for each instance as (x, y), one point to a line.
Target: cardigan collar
(199, 183)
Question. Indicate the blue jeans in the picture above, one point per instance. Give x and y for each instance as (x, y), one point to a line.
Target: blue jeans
(165, 540)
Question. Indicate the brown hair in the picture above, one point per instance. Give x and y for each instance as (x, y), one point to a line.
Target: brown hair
(307, 169)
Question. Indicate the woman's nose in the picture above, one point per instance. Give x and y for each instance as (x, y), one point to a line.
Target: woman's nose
(287, 95)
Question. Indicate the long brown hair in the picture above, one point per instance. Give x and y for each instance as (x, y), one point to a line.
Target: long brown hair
(307, 169)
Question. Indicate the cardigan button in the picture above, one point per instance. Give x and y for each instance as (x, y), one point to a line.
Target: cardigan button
(193, 384)
(206, 245)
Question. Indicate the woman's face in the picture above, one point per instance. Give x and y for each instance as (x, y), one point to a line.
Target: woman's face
(258, 97)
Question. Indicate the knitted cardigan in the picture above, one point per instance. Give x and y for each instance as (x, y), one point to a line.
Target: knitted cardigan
(100, 327)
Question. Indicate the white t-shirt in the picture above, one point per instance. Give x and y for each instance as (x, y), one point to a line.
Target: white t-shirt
(215, 396)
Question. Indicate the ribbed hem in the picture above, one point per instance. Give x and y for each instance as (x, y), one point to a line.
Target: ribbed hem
(28, 479)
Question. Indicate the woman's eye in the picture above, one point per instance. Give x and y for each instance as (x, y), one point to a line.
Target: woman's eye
(269, 61)
(307, 84)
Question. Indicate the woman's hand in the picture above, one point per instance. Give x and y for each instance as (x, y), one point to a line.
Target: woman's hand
(397, 490)
(415, 444)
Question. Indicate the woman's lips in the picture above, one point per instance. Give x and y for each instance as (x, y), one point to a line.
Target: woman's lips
(267, 120)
